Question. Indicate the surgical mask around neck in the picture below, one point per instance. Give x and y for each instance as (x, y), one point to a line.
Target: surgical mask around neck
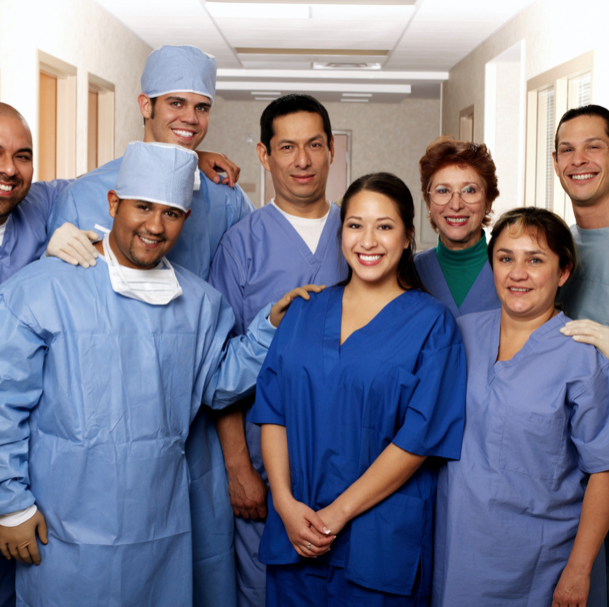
(158, 286)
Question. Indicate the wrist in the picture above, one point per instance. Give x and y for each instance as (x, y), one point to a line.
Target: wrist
(580, 565)
(237, 462)
(283, 501)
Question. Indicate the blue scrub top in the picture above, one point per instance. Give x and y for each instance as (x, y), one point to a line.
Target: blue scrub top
(400, 379)
(97, 392)
(537, 426)
(263, 257)
(215, 208)
(25, 239)
(482, 296)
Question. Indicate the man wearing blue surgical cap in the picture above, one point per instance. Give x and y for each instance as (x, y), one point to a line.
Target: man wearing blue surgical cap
(101, 373)
(178, 89)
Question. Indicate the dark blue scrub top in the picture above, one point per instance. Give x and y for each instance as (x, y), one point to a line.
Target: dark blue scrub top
(400, 379)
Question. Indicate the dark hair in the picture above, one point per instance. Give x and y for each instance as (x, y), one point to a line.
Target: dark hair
(447, 151)
(584, 110)
(545, 223)
(152, 104)
(291, 104)
(395, 189)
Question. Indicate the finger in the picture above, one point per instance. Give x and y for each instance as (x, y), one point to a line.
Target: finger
(316, 540)
(24, 555)
(81, 253)
(34, 553)
(318, 524)
(92, 236)
(13, 551)
(43, 532)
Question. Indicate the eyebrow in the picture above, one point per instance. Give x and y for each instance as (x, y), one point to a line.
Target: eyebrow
(21, 150)
(537, 252)
(585, 141)
(318, 136)
(184, 100)
(377, 219)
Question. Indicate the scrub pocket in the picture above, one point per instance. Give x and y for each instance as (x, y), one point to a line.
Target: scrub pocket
(385, 545)
(532, 443)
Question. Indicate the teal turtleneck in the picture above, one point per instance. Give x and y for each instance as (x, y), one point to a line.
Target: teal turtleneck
(461, 268)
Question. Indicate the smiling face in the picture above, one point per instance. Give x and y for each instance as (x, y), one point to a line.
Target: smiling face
(527, 273)
(179, 118)
(373, 238)
(16, 167)
(581, 160)
(300, 159)
(143, 232)
(459, 224)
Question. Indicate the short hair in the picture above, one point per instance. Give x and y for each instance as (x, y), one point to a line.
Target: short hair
(545, 223)
(584, 110)
(397, 191)
(291, 104)
(447, 151)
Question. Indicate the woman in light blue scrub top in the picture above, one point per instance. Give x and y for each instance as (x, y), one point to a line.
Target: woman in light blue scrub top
(357, 397)
(521, 517)
(459, 185)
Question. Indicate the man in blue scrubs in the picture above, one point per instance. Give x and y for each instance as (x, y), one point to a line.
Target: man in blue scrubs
(101, 373)
(178, 89)
(291, 241)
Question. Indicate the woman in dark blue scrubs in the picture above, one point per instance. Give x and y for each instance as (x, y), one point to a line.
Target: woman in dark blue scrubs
(361, 386)
(459, 185)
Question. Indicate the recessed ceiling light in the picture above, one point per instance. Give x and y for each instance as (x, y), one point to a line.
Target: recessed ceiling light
(346, 66)
(343, 100)
(357, 94)
(265, 98)
(266, 93)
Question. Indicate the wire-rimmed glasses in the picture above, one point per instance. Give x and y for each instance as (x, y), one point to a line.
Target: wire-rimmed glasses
(470, 194)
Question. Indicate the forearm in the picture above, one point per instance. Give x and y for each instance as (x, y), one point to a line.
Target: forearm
(392, 468)
(593, 524)
(274, 444)
(232, 438)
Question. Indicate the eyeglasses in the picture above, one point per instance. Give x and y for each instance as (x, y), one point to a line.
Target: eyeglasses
(470, 194)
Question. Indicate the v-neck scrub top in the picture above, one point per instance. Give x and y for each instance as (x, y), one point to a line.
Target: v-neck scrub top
(537, 426)
(399, 379)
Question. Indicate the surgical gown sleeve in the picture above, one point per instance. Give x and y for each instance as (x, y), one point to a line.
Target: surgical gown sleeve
(44, 195)
(21, 377)
(590, 419)
(227, 275)
(240, 360)
(434, 417)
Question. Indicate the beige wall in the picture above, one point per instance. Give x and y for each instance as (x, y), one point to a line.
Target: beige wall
(385, 137)
(553, 33)
(82, 34)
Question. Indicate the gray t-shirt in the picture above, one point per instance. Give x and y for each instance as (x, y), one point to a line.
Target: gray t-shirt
(586, 294)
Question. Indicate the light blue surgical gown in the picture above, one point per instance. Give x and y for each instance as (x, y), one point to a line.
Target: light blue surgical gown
(482, 296)
(97, 393)
(536, 427)
(215, 208)
(26, 238)
(258, 261)
(399, 379)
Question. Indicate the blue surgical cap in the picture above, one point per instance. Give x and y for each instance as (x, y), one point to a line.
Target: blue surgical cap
(157, 172)
(179, 69)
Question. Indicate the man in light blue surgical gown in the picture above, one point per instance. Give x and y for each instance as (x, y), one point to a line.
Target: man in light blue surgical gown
(178, 88)
(101, 373)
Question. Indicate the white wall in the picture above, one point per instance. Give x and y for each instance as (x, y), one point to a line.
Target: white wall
(82, 34)
(385, 137)
(554, 32)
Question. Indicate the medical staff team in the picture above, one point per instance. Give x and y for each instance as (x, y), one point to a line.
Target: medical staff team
(140, 464)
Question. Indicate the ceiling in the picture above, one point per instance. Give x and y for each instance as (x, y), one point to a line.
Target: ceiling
(353, 51)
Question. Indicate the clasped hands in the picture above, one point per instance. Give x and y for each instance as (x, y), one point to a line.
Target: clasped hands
(311, 533)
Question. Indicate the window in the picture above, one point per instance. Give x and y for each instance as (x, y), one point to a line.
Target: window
(549, 96)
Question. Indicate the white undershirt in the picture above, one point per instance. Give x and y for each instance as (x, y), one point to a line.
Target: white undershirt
(308, 229)
(2, 230)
